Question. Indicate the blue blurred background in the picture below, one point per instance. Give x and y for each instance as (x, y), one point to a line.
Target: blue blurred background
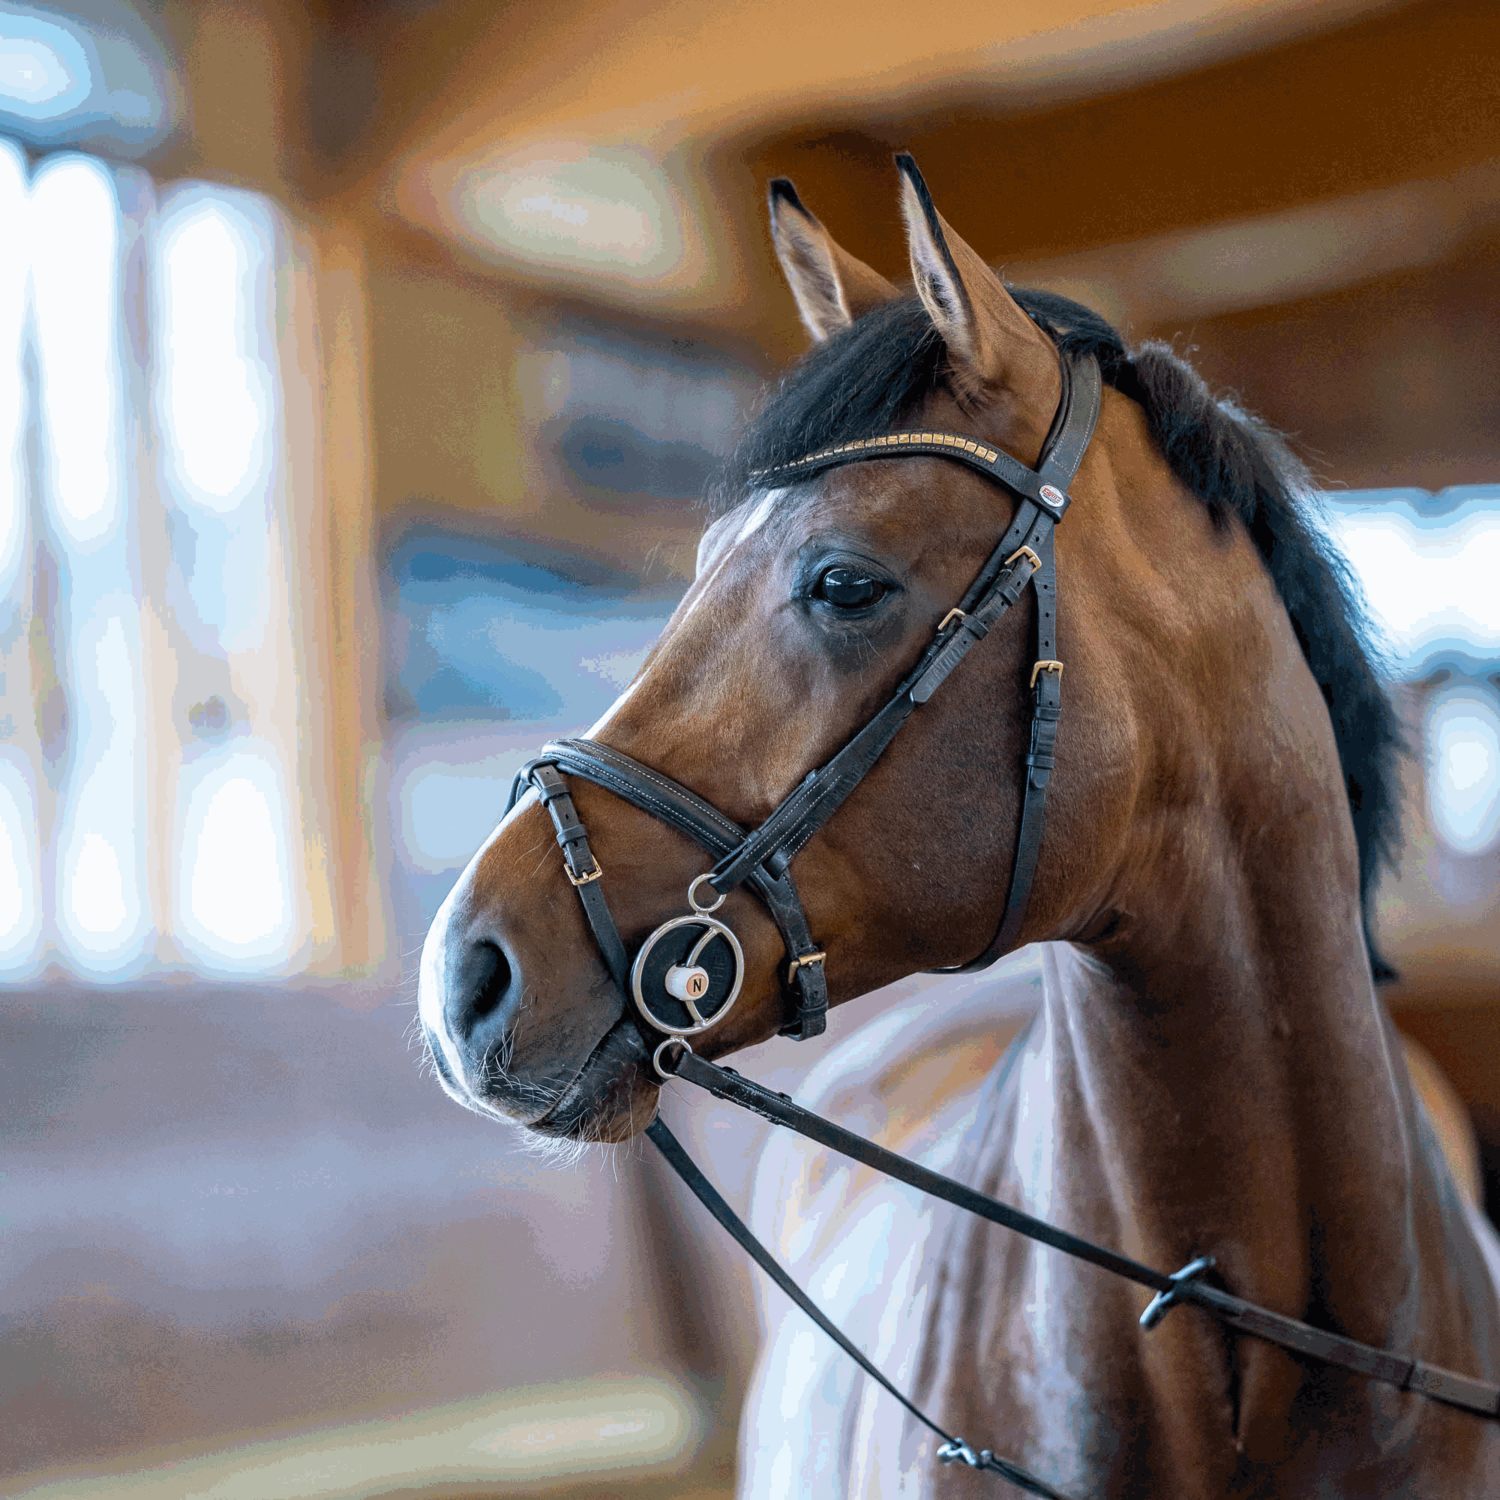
(359, 366)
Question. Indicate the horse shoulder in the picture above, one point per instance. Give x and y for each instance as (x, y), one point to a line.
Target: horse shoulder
(1449, 1119)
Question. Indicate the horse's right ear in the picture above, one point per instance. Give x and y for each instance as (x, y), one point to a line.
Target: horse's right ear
(832, 288)
(992, 344)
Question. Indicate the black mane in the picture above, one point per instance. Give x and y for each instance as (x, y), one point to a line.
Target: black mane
(872, 377)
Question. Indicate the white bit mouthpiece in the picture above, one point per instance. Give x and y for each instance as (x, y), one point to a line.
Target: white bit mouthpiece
(686, 982)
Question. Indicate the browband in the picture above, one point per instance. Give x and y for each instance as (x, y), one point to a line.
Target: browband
(993, 463)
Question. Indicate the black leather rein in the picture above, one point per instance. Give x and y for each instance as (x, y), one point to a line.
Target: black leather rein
(1185, 1286)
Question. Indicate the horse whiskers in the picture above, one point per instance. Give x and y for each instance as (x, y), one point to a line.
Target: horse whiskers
(497, 1072)
(554, 1152)
(416, 1036)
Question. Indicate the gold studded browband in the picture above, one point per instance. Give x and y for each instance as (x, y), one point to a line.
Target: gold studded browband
(889, 440)
(991, 462)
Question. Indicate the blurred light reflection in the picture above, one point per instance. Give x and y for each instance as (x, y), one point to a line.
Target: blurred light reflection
(15, 255)
(101, 905)
(75, 254)
(611, 211)
(20, 911)
(216, 387)
(1463, 731)
(44, 68)
(100, 78)
(234, 911)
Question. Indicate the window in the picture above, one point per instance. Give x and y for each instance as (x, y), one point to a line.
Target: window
(153, 754)
(1428, 565)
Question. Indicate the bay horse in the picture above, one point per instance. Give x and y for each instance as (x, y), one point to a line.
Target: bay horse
(1210, 1069)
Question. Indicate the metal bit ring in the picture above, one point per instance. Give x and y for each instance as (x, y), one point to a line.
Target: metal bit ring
(671, 1041)
(692, 900)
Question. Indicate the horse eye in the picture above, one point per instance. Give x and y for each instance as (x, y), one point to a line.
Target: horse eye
(848, 588)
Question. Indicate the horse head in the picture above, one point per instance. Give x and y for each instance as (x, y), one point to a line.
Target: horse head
(814, 599)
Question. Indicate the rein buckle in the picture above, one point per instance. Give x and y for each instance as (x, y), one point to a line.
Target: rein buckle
(798, 963)
(588, 879)
(1044, 666)
(1163, 1302)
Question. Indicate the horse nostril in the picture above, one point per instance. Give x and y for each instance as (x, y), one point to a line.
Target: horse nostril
(478, 980)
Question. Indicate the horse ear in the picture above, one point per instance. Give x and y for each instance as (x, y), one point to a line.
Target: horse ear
(991, 343)
(832, 288)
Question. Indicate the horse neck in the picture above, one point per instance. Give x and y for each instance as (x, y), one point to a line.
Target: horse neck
(1240, 1086)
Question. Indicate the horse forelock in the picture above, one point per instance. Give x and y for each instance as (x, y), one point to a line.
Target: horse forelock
(875, 375)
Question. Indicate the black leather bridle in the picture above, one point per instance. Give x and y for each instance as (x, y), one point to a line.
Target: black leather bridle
(688, 972)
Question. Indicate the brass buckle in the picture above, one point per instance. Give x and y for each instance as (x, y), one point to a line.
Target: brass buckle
(949, 618)
(1045, 666)
(798, 963)
(588, 879)
(1036, 562)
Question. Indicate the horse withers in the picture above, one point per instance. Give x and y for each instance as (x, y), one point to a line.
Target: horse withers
(1210, 1071)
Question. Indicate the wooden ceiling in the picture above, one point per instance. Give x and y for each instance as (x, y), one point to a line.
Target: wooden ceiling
(1233, 175)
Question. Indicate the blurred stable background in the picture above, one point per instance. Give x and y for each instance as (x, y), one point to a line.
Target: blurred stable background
(358, 366)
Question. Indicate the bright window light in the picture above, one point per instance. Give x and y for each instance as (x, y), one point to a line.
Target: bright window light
(214, 349)
(20, 912)
(15, 256)
(96, 888)
(1463, 777)
(234, 906)
(1430, 580)
(75, 252)
(78, 871)
(101, 908)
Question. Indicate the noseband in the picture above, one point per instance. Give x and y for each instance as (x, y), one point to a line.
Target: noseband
(690, 970)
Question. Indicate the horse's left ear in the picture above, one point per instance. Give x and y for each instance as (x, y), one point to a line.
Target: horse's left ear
(992, 344)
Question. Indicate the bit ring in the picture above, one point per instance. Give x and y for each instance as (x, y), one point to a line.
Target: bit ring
(656, 1063)
(693, 900)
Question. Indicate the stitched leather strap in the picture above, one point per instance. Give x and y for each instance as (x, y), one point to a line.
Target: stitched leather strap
(1480, 1397)
(1046, 711)
(991, 462)
(702, 822)
(705, 1192)
(1083, 389)
(584, 871)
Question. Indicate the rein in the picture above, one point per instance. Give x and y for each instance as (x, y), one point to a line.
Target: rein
(1184, 1286)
